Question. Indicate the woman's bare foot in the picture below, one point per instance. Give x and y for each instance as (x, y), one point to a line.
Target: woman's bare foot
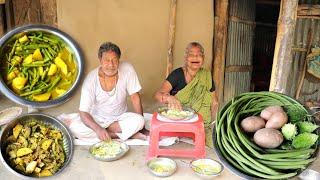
(139, 135)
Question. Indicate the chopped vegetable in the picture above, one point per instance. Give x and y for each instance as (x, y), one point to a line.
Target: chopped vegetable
(16, 130)
(42, 97)
(18, 82)
(37, 55)
(23, 39)
(176, 114)
(23, 151)
(107, 149)
(60, 63)
(52, 70)
(31, 167)
(28, 59)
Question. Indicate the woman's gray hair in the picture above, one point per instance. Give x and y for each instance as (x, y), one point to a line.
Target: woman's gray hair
(109, 46)
(194, 44)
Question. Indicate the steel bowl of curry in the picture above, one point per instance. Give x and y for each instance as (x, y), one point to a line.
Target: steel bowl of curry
(35, 145)
(41, 66)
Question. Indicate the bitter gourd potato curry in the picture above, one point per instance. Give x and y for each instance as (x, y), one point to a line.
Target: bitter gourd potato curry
(35, 149)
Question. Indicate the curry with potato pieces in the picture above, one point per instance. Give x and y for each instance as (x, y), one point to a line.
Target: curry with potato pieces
(35, 149)
(38, 66)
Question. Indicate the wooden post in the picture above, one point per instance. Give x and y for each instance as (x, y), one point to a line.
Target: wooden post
(302, 73)
(9, 15)
(172, 28)
(282, 58)
(220, 45)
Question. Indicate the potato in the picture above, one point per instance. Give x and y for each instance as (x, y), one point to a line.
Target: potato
(16, 130)
(277, 120)
(268, 111)
(31, 166)
(46, 144)
(252, 124)
(268, 138)
(23, 151)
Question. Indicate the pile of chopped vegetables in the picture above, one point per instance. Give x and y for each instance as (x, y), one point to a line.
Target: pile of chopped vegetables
(176, 114)
(273, 154)
(161, 168)
(205, 168)
(35, 149)
(38, 66)
(107, 149)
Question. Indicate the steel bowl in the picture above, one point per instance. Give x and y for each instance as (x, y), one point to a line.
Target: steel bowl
(206, 168)
(244, 175)
(46, 119)
(162, 167)
(72, 45)
(124, 148)
(162, 110)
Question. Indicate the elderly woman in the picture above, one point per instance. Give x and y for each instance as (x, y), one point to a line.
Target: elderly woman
(192, 86)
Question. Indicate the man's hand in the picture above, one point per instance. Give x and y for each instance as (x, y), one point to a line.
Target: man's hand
(103, 134)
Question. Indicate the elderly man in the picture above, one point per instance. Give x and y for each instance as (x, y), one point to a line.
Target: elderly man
(103, 104)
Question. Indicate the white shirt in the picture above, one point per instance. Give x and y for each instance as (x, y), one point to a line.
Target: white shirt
(106, 106)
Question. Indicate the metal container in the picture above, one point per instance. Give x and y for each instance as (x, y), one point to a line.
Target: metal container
(124, 148)
(12, 35)
(164, 112)
(204, 168)
(222, 155)
(46, 119)
(162, 167)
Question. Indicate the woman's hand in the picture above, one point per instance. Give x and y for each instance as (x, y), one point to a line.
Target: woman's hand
(103, 134)
(173, 103)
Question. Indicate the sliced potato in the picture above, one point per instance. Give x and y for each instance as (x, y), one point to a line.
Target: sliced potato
(37, 55)
(16, 130)
(23, 151)
(45, 173)
(31, 167)
(46, 144)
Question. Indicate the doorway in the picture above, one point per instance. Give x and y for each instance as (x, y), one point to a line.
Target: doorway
(267, 13)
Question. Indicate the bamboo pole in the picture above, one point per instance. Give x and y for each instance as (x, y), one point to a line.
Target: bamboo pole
(282, 58)
(172, 28)
(220, 46)
(303, 72)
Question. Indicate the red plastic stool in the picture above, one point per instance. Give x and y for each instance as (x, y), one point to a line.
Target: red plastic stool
(194, 130)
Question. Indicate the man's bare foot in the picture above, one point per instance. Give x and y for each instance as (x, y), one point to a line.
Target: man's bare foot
(139, 135)
(67, 122)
